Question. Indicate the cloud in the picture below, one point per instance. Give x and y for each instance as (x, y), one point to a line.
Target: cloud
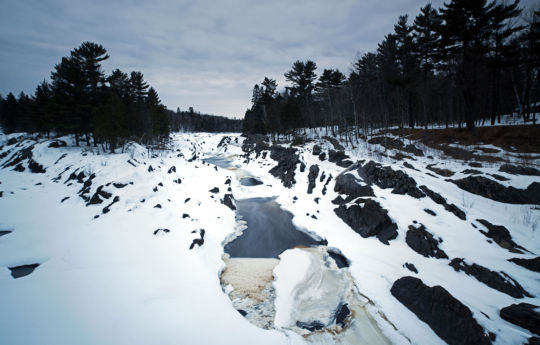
(205, 54)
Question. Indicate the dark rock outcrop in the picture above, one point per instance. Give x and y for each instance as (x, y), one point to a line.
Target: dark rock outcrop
(228, 200)
(440, 171)
(18, 157)
(334, 142)
(519, 170)
(450, 319)
(287, 159)
(410, 267)
(23, 270)
(442, 201)
(430, 212)
(348, 185)
(107, 208)
(316, 150)
(498, 281)
(340, 158)
(369, 220)
(490, 189)
(161, 231)
(422, 241)
(35, 167)
(500, 235)
(530, 264)
(57, 144)
(386, 177)
(214, 190)
(171, 170)
(524, 315)
(312, 177)
(198, 241)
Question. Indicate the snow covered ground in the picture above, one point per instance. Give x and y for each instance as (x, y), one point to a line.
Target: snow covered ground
(125, 273)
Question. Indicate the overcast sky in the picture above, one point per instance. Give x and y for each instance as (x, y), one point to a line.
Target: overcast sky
(205, 54)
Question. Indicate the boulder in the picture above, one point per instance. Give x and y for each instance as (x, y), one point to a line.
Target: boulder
(524, 315)
(442, 201)
(530, 264)
(450, 319)
(386, 177)
(312, 177)
(500, 235)
(519, 170)
(490, 189)
(498, 281)
(347, 184)
(423, 242)
(369, 220)
(287, 159)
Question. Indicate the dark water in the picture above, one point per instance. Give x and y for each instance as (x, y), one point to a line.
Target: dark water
(4, 232)
(21, 271)
(250, 181)
(269, 232)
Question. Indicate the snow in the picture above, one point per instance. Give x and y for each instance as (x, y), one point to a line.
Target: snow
(109, 280)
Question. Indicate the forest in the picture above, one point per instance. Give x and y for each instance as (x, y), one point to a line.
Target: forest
(464, 64)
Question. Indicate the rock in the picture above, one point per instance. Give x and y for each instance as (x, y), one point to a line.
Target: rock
(530, 264)
(524, 315)
(310, 326)
(439, 171)
(35, 167)
(242, 312)
(108, 207)
(490, 189)
(185, 215)
(347, 184)
(370, 220)
(475, 164)
(442, 201)
(302, 167)
(171, 170)
(322, 156)
(340, 158)
(499, 177)
(214, 190)
(157, 206)
(326, 184)
(19, 168)
(255, 143)
(423, 242)
(498, 281)
(430, 212)
(162, 231)
(178, 181)
(534, 341)
(450, 319)
(57, 144)
(341, 314)
(500, 235)
(409, 165)
(385, 177)
(18, 157)
(119, 185)
(228, 181)
(312, 177)
(150, 169)
(316, 150)
(12, 141)
(64, 199)
(228, 200)
(334, 142)
(519, 170)
(287, 159)
(410, 267)
(340, 260)
(471, 172)
(23, 270)
(198, 241)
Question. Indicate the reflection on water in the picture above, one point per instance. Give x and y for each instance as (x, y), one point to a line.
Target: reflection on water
(269, 232)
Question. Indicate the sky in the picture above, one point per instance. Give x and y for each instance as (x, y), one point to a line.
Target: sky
(202, 54)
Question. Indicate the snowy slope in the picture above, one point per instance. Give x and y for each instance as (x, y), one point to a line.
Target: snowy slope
(111, 280)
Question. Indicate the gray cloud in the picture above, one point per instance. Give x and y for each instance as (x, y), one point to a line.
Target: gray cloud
(205, 54)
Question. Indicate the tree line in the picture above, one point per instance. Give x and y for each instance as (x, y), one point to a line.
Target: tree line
(192, 121)
(463, 64)
(81, 100)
